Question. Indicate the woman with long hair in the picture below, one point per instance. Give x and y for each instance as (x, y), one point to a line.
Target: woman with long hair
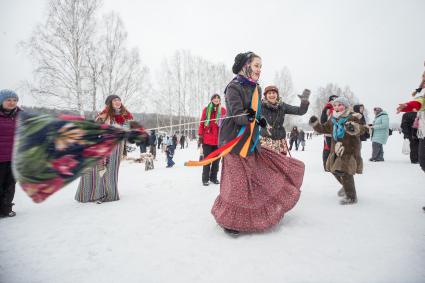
(100, 183)
(257, 186)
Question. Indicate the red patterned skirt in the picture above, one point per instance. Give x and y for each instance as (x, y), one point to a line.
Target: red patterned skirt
(255, 192)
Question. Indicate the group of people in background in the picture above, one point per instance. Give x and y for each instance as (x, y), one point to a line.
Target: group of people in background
(256, 190)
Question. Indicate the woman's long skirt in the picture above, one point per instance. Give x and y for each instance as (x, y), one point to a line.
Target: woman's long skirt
(95, 187)
(257, 191)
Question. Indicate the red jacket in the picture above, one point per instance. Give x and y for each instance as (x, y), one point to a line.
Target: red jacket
(210, 132)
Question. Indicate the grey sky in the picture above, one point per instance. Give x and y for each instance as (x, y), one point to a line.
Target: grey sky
(375, 47)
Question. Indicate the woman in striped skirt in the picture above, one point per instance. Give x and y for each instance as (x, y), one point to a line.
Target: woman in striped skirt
(100, 183)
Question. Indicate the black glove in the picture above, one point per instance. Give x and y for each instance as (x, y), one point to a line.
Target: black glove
(312, 120)
(262, 122)
(418, 90)
(251, 114)
(349, 127)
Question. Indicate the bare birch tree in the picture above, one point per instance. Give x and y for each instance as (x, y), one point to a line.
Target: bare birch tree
(123, 73)
(58, 48)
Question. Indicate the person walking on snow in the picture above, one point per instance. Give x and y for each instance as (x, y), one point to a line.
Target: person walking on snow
(293, 138)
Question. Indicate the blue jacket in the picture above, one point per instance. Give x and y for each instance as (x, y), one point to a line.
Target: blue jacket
(381, 126)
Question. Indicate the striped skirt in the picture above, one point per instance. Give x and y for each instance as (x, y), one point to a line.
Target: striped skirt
(94, 187)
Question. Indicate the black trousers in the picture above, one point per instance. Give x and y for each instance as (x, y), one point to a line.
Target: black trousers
(414, 150)
(7, 187)
(421, 153)
(291, 142)
(209, 172)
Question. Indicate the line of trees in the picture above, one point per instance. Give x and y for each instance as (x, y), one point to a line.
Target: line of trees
(81, 57)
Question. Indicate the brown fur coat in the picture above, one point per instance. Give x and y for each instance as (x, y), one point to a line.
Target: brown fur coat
(345, 155)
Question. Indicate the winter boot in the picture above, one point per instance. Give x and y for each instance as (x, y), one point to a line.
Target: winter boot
(231, 232)
(11, 214)
(206, 183)
(341, 192)
(215, 182)
(347, 200)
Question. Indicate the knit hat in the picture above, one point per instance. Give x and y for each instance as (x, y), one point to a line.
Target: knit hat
(214, 96)
(7, 93)
(110, 98)
(240, 61)
(270, 88)
(378, 109)
(342, 100)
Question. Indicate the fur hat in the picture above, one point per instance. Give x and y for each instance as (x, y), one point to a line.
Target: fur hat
(7, 93)
(240, 61)
(342, 100)
(110, 98)
(270, 88)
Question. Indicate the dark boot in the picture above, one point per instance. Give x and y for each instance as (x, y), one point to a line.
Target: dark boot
(231, 232)
(347, 200)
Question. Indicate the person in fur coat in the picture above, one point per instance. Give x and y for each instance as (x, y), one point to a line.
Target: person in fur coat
(344, 160)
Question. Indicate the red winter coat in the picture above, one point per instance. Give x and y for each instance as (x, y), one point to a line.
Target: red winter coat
(210, 132)
(7, 134)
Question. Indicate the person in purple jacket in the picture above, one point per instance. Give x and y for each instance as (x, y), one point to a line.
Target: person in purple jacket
(8, 115)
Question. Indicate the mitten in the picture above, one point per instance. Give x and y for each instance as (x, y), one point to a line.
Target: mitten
(250, 114)
(339, 149)
(306, 95)
(312, 120)
(262, 122)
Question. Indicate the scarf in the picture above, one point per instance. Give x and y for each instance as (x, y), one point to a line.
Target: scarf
(338, 131)
(210, 109)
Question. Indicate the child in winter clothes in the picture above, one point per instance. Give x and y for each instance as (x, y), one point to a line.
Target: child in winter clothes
(324, 117)
(344, 160)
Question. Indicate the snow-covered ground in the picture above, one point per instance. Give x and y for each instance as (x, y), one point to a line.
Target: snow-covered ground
(162, 230)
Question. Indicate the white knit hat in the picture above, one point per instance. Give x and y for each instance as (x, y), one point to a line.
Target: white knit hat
(342, 100)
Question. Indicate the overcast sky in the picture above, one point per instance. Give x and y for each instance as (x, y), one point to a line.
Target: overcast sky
(375, 47)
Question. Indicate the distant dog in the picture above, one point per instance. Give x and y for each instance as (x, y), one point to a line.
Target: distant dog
(146, 158)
